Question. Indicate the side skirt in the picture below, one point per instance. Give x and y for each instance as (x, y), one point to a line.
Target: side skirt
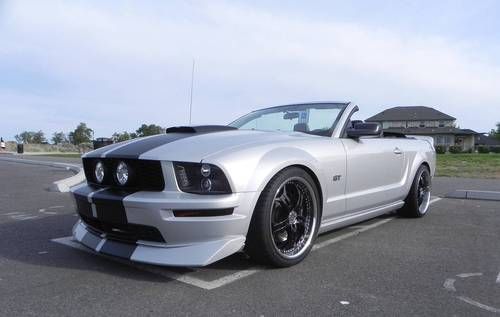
(358, 216)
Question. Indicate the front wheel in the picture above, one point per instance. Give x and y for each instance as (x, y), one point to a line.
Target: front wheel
(286, 219)
(418, 200)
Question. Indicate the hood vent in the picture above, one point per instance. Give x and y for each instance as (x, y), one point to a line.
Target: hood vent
(200, 129)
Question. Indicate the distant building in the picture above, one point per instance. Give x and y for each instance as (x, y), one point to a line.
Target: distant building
(426, 121)
(487, 141)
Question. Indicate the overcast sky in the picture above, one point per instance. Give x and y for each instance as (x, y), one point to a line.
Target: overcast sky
(117, 64)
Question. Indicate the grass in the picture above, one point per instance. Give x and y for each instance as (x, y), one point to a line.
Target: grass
(469, 165)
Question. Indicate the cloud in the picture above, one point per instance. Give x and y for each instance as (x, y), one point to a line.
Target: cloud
(116, 66)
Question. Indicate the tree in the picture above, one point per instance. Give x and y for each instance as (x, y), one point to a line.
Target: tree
(59, 137)
(31, 137)
(82, 134)
(39, 137)
(24, 137)
(120, 137)
(496, 133)
(152, 129)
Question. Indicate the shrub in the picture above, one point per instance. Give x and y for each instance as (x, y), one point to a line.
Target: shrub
(440, 149)
(85, 147)
(495, 149)
(455, 149)
(483, 149)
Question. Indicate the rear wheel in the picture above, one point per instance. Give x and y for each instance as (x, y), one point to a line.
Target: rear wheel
(418, 200)
(286, 219)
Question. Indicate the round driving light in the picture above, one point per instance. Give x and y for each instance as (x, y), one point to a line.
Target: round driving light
(205, 170)
(122, 173)
(206, 184)
(99, 172)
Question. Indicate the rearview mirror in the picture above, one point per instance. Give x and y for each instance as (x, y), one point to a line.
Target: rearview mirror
(364, 129)
(290, 115)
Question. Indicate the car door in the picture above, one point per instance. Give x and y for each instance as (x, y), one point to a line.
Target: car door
(374, 170)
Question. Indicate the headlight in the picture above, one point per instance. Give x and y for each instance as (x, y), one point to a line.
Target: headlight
(99, 172)
(122, 173)
(199, 178)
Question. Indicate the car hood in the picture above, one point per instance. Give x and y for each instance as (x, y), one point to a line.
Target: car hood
(194, 147)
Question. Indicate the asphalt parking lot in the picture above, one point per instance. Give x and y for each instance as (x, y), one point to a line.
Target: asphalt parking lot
(445, 264)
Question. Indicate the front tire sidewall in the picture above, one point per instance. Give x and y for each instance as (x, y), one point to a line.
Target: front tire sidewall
(260, 243)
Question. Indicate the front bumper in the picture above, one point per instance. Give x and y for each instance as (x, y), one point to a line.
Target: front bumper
(141, 226)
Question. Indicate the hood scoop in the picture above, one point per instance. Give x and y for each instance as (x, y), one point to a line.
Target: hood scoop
(200, 129)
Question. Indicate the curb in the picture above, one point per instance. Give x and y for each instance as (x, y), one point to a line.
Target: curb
(474, 194)
(63, 185)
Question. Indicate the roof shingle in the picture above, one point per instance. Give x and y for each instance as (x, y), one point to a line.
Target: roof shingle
(414, 113)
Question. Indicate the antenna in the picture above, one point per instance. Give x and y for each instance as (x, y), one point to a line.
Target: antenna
(191, 96)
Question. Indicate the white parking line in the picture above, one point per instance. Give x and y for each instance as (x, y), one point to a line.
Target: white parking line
(55, 207)
(465, 275)
(23, 217)
(12, 213)
(350, 234)
(435, 200)
(478, 304)
(187, 278)
(449, 284)
(180, 277)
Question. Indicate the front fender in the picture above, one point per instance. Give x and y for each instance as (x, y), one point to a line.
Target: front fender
(250, 170)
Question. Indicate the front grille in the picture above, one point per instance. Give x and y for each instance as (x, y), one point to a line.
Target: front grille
(144, 174)
(128, 233)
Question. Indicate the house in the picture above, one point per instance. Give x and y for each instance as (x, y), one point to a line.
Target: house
(485, 140)
(426, 121)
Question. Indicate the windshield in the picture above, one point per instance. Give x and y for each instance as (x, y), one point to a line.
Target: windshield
(316, 118)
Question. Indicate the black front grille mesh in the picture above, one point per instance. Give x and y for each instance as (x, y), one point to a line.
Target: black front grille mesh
(143, 174)
(128, 233)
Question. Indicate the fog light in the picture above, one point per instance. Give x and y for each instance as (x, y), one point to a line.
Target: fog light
(206, 184)
(99, 172)
(122, 173)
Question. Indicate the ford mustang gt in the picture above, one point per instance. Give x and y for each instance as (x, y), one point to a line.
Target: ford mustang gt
(266, 184)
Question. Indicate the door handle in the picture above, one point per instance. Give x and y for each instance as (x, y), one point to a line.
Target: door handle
(398, 151)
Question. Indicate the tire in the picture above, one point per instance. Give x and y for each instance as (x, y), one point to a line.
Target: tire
(286, 219)
(418, 200)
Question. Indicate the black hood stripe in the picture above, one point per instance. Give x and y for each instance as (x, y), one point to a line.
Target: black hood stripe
(100, 151)
(136, 149)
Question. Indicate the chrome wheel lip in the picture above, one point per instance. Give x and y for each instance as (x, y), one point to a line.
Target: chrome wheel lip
(424, 193)
(313, 222)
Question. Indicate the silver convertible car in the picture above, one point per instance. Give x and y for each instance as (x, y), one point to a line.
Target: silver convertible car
(266, 184)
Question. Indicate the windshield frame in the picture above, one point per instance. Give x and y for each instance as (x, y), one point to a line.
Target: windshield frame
(294, 107)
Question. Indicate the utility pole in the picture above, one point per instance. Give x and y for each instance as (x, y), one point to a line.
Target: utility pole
(191, 94)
